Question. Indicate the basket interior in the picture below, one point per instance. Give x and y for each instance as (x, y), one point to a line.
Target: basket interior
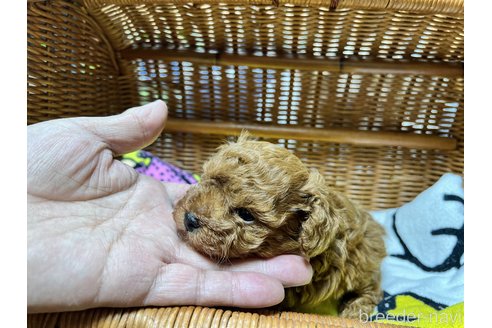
(287, 70)
(370, 92)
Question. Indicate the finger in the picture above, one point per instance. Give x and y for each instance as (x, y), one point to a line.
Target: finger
(180, 284)
(290, 270)
(131, 130)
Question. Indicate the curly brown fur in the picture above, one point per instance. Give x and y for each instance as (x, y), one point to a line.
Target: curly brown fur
(293, 211)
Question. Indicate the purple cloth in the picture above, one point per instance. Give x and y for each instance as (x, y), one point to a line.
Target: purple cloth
(146, 163)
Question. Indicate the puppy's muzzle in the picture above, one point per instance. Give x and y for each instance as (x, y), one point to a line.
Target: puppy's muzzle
(191, 222)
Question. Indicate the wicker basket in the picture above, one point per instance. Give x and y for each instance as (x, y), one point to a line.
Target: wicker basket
(370, 92)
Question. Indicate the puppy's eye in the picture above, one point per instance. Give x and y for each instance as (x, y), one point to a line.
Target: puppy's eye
(245, 214)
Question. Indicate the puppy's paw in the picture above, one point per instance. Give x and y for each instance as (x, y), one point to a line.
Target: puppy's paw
(357, 311)
(359, 306)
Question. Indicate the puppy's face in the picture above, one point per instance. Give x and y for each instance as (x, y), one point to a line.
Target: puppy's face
(252, 201)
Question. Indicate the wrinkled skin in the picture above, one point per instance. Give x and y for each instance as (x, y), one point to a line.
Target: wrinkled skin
(99, 234)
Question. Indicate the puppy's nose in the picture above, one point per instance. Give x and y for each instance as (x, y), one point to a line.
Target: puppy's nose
(191, 222)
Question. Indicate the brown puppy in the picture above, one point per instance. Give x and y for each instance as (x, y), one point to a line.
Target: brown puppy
(257, 199)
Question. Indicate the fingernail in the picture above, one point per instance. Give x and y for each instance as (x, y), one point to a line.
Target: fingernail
(309, 276)
(148, 108)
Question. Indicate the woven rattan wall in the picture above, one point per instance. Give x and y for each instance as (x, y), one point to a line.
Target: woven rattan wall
(72, 69)
(369, 92)
(289, 71)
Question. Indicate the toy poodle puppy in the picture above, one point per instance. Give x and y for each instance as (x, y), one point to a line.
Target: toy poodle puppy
(257, 199)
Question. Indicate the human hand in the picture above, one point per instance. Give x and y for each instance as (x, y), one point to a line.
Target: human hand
(101, 235)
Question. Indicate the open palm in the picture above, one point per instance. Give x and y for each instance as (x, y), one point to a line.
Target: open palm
(99, 234)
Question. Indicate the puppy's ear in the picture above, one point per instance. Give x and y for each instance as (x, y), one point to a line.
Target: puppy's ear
(322, 223)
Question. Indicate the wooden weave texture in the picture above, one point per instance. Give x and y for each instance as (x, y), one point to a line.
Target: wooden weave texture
(191, 317)
(376, 66)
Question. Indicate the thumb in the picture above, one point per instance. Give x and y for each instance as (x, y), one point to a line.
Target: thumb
(131, 130)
